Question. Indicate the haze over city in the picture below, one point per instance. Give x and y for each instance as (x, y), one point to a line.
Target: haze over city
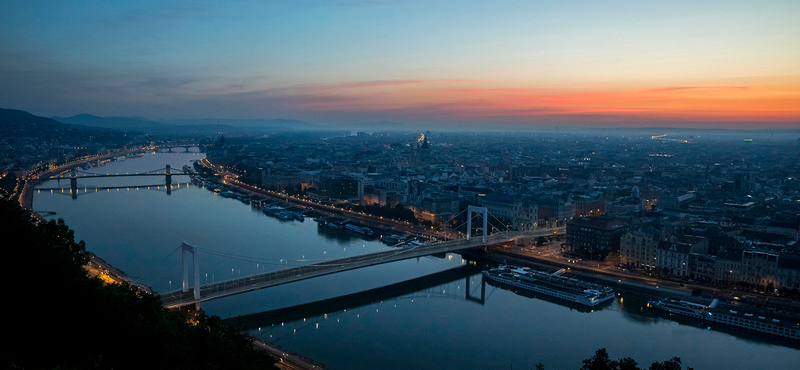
(400, 184)
(444, 65)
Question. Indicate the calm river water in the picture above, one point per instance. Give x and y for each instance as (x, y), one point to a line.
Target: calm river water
(138, 231)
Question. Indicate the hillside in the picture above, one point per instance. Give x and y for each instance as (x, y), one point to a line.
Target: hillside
(118, 123)
(82, 323)
(17, 117)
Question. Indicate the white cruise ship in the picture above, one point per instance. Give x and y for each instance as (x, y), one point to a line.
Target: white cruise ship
(761, 322)
(554, 285)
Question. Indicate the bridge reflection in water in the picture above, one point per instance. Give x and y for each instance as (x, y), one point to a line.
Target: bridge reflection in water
(428, 286)
(95, 189)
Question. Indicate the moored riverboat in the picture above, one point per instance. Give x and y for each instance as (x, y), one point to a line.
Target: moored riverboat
(739, 317)
(359, 230)
(272, 210)
(551, 284)
(392, 239)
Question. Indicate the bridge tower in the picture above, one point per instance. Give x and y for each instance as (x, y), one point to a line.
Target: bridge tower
(480, 300)
(186, 249)
(169, 179)
(480, 210)
(73, 183)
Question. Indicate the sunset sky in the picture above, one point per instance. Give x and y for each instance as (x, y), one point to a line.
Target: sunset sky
(446, 63)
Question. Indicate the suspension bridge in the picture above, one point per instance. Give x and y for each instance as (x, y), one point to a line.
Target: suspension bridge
(202, 293)
(167, 172)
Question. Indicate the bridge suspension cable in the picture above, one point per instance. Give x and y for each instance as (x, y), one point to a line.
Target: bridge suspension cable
(279, 261)
(162, 274)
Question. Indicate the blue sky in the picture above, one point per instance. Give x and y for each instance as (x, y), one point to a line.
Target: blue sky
(437, 62)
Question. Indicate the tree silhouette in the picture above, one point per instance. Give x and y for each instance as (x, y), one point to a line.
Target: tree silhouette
(601, 361)
(81, 323)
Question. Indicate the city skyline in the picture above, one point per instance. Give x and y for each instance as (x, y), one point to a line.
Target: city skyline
(448, 65)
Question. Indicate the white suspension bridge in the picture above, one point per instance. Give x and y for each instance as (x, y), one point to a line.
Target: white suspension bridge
(192, 292)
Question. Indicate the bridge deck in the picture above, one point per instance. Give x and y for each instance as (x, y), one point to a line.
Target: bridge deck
(115, 175)
(261, 281)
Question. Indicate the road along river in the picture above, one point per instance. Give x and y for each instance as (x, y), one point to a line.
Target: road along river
(442, 324)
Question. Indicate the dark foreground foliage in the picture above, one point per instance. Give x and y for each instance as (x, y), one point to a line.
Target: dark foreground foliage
(601, 361)
(59, 318)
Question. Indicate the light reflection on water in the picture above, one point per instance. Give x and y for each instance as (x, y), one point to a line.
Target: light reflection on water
(138, 230)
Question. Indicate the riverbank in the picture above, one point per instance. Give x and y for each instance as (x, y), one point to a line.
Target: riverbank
(372, 221)
(429, 323)
(106, 272)
(647, 287)
(603, 272)
(619, 283)
(288, 360)
(26, 195)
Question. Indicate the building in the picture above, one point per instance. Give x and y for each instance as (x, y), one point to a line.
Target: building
(788, 271)
(728, 269)
(760, 268)
(766, 225)
(382, 197)
(673, 254)
(279, 182)
(590, 207)
(594, 237)
(437, 207)
(702, 267)
(676, 202)
(513, 211)
(340, 187)
(555, 211)
(638, 247)
(673, 257)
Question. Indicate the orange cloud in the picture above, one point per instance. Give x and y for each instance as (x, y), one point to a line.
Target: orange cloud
(467, 99)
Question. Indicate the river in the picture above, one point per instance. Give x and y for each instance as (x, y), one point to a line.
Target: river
(138, 230)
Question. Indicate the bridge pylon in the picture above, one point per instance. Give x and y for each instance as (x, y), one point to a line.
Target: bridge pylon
(186, 249)
(73, 183)
(169, 179)
(482, 211)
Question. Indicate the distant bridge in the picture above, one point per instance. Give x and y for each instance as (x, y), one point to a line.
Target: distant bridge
(73, 178)
(209, 292)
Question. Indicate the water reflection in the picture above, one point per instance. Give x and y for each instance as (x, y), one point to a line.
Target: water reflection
(433, 285)
(136, 230)
(637, 310)
(533, 295)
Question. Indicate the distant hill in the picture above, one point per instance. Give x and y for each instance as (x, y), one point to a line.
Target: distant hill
(185, 125)
(9, 117)
(119, 123)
